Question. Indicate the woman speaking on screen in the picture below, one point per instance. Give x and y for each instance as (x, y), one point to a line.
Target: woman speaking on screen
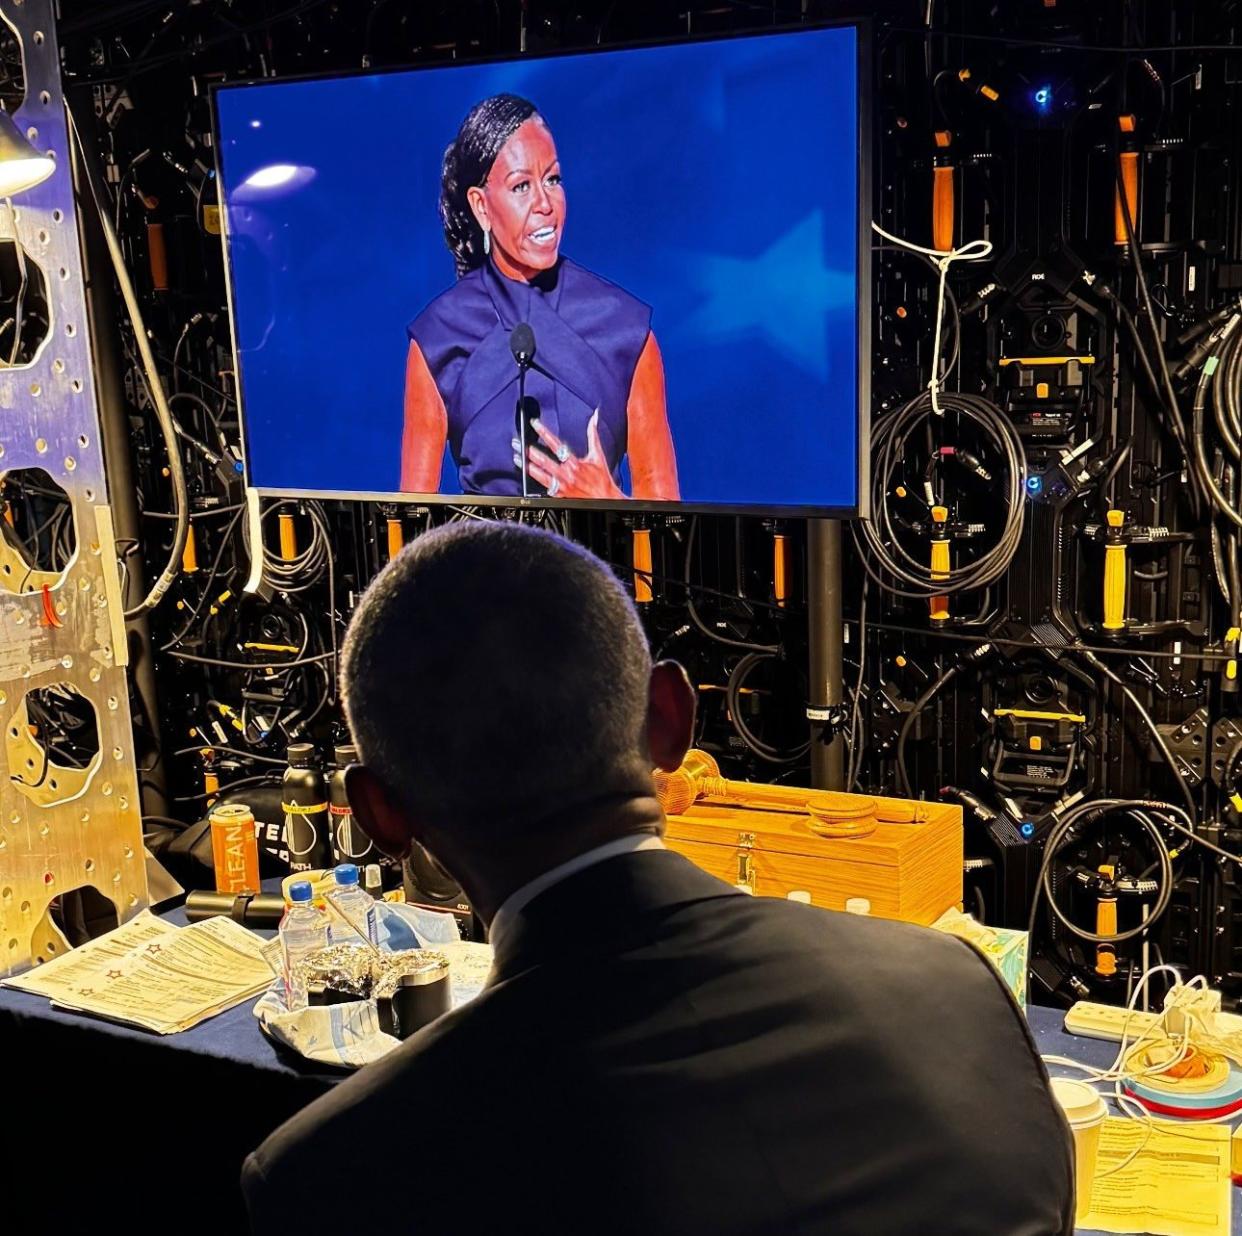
(594, 385)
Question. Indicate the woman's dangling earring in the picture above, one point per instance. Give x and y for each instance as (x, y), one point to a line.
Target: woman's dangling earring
(487, 241)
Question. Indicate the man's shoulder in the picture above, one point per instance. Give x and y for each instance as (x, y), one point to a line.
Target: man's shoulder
(409, 1111)
(881, 958)
(425, 1074)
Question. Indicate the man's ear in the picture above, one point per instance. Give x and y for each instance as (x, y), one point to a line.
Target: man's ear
(670, 715)
(389, 828)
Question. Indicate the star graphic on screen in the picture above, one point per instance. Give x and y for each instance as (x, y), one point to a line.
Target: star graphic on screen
(153, 948)
(114, 974)
(86, 991)
(785, 293)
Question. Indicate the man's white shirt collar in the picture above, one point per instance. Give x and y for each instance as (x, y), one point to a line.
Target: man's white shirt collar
(514, 904)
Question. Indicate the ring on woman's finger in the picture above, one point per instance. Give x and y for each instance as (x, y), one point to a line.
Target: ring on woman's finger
(554, 487)
(562, 453)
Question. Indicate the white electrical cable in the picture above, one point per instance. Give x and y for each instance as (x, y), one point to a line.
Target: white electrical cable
(942, 259)
(176, 470)
(1119, 1071)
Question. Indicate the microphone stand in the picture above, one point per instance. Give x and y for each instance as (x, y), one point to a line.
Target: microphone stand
(523, 366)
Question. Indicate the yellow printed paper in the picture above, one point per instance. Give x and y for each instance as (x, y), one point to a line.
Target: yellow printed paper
(1177, 1185)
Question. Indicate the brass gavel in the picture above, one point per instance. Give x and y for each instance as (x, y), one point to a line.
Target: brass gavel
(831, 814)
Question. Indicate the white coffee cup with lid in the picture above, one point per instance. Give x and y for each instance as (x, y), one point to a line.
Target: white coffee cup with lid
(1085, 1111)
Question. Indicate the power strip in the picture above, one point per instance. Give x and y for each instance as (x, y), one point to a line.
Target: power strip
(1108, 1021)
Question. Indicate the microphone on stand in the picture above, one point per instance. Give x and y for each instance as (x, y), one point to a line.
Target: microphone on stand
(522, 345)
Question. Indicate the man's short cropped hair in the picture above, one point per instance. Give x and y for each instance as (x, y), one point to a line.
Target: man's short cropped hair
(494, 671)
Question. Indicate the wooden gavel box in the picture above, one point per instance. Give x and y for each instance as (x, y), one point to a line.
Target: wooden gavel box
(907, 864)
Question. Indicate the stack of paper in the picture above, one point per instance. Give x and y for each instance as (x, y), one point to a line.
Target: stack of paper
(151, 974)
(1176, 1185)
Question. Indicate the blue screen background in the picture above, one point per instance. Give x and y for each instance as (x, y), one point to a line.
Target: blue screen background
(718, 182)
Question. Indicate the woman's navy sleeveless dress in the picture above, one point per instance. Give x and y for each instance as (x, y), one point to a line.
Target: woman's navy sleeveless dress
(589, 335)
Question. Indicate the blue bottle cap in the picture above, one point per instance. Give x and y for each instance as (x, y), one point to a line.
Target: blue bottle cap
(300, 891)
(346, 874)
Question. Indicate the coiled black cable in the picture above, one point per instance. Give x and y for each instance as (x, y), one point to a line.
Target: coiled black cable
(883, 556)
(1135, 809)
(737, 714)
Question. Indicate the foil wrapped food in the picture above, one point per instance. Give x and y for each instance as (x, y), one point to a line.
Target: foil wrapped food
(353, 972)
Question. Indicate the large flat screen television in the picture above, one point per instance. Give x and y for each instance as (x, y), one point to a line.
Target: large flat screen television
(624, 277)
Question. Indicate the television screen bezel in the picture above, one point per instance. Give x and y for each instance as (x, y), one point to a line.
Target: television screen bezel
(862, 26)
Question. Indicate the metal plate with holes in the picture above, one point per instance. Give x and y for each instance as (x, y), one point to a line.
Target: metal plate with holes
(1226, 747)
(61, 636)
(1189, 745)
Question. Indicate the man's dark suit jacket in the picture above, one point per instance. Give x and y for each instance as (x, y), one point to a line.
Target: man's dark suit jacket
(656, 1054)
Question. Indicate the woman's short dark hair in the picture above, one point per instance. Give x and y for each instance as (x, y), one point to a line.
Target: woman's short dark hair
(468, 163)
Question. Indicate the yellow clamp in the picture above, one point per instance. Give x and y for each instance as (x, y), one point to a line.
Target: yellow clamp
(780, 568)
(943, 207)
(396, 538)
(232, 717)
(1115, 575)
(643, 565)
(1232, 638)
(1106, 925)
(940, 566)
(288, 537)
(1127, 205)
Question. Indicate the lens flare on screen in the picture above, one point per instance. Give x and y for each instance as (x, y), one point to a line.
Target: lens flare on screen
(274, 178)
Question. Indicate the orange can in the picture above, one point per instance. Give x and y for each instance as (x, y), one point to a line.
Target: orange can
(234, 849)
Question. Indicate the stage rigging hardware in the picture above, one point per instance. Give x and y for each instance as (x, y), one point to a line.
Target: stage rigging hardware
(71, 847)
(1041, 623)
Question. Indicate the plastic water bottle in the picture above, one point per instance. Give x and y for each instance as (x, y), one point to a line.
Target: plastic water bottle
(355, 909)
(303, 930)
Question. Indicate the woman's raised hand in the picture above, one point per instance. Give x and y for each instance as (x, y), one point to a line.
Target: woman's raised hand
(562, 473)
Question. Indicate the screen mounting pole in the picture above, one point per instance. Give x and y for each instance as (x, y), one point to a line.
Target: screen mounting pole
(823, 551)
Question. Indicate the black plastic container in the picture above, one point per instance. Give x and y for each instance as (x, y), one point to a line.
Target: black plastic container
(418, 999)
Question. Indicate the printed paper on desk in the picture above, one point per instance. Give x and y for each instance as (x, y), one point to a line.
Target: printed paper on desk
(60, 978)
(156, 976)
(1177, 1185)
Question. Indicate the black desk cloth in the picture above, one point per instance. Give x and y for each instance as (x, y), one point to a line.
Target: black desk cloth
(107, 1129)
